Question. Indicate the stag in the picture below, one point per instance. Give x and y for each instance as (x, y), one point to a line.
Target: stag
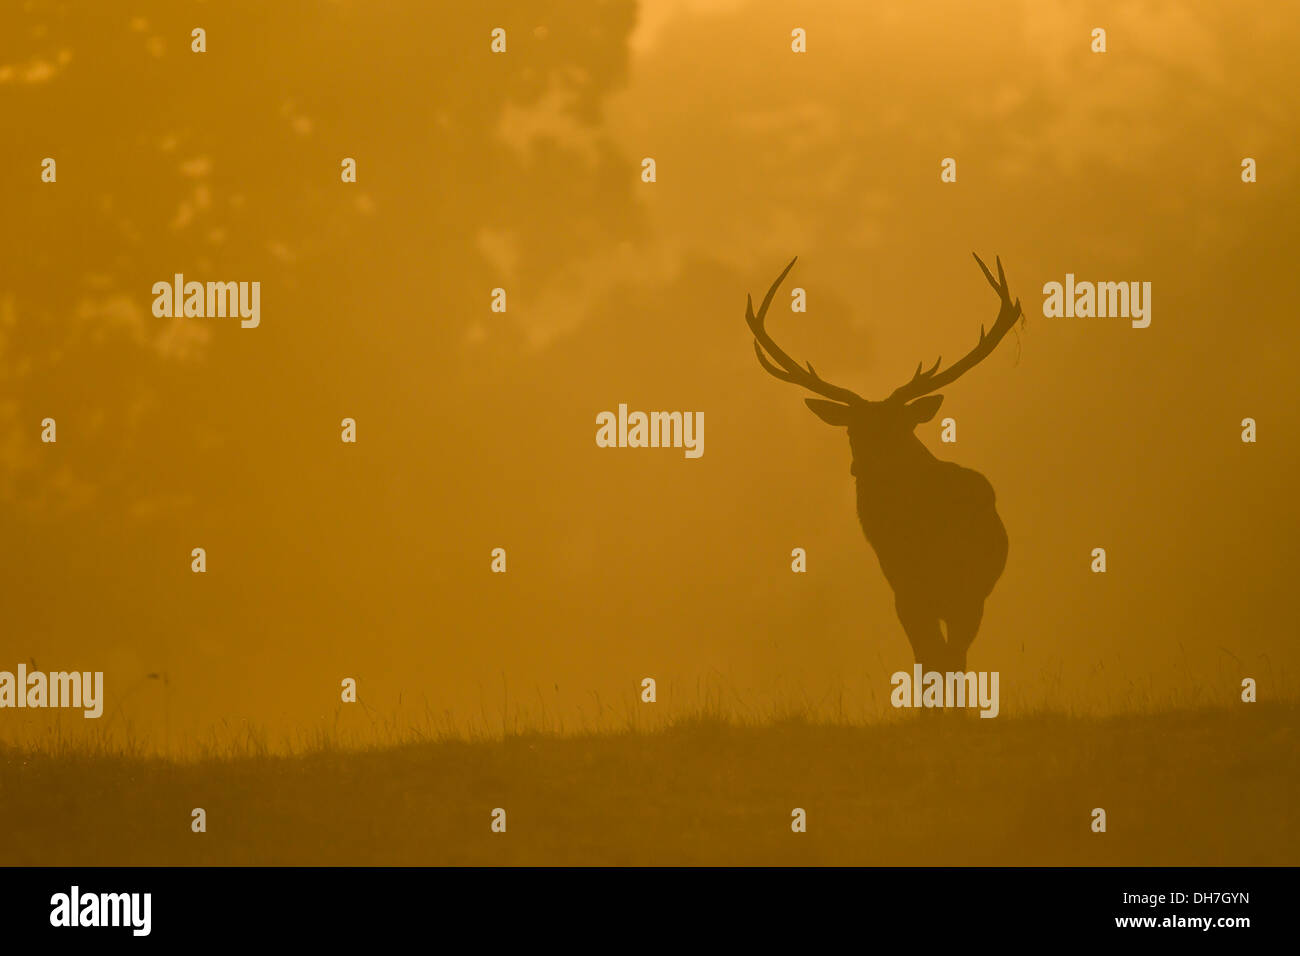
(932, 523)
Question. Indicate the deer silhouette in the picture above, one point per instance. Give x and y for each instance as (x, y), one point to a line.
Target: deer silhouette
(932, 523)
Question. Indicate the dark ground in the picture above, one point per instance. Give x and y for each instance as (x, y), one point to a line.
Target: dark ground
(1184, 788)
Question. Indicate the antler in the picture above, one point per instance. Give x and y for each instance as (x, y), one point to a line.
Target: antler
(790, 370)
(923, 383)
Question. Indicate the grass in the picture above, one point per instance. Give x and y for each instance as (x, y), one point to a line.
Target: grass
(1188, 787)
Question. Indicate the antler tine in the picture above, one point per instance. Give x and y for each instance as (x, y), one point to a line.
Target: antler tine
(789, 370)
(923, 383)
(918, 375)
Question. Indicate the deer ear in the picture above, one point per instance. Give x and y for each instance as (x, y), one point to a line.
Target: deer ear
(924, 409)
(832, 413)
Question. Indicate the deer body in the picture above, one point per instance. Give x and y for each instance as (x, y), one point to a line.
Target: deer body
(933, 524)
(941, 546)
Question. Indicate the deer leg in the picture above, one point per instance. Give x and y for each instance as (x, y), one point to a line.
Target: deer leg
(962, 628)
(922, 627)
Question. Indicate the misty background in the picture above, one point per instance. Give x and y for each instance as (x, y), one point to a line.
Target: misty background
(476, 429)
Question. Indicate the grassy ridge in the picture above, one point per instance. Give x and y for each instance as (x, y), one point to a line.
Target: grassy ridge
(1189, 787)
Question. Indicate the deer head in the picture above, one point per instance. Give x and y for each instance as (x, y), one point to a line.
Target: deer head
(876, 425)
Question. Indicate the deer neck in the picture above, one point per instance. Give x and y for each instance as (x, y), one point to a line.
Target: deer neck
(892, 467)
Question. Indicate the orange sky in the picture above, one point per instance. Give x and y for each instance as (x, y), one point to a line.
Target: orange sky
(476, 428)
